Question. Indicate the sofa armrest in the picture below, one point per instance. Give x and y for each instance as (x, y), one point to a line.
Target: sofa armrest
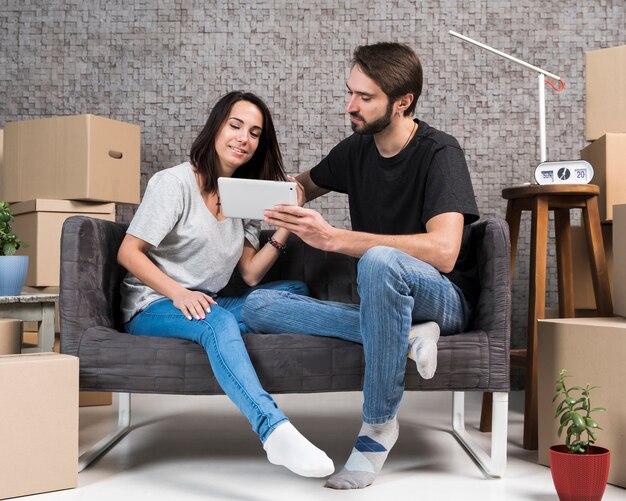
(493, 310)
(89, 294)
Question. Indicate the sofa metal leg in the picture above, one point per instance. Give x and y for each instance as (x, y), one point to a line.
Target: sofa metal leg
(123, 427)
(493, 465)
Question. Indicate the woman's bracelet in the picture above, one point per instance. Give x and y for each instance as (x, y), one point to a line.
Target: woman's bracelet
(277, 245)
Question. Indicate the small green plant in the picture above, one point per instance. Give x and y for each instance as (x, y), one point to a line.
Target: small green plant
(574, 413)
(9, 241)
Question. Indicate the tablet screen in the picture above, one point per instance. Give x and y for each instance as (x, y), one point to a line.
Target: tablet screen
(248, 198)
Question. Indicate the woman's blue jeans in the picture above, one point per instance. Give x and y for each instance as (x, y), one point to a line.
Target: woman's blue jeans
(396, 290)
(220, 335)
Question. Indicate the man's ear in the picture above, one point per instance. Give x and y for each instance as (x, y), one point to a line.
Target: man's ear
(404, 102)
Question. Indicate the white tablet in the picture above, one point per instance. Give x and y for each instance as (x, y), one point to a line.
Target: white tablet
(248, 198)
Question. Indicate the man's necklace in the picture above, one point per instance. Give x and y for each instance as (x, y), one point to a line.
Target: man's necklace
(409, 138)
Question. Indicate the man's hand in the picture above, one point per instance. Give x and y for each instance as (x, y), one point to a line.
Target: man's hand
(193, 303)
(308, 224)
(300, 191)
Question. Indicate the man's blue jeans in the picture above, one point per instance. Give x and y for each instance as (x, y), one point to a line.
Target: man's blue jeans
(396, 290)
(220, 335)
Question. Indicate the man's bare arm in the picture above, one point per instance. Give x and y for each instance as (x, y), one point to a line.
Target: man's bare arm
(439, 246)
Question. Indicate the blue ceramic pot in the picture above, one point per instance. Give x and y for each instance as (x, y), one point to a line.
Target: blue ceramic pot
(13, 271)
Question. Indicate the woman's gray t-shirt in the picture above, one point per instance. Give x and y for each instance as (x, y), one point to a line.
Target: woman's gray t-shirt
(188, 243)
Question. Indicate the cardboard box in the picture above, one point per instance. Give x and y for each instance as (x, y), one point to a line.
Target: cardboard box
(607, 155)
(39, 223)
(39, 432)
(85, 398)
(592, 350)
(584, 297)
(619, 269)
(10, 336)
(605, 92)
(94, 398)
(82, 157)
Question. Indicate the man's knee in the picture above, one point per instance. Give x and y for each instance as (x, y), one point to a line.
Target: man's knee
(377, 262)
(254, 304)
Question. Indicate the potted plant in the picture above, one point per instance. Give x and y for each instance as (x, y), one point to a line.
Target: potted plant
(579, 469)
(13, 268)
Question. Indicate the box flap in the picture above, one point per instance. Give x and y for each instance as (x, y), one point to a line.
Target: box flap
(34, 357)
(49, 205)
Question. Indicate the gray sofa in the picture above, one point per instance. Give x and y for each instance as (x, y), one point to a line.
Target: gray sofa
(110, 360)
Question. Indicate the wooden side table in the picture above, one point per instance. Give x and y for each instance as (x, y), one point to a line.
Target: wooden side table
(539, 200)
(33, 308)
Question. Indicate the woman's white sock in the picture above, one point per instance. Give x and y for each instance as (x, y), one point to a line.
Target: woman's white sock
(287, 447)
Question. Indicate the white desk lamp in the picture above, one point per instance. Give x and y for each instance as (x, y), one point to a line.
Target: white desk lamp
(576, 171)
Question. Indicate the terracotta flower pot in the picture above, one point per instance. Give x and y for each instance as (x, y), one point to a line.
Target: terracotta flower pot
(579, 477)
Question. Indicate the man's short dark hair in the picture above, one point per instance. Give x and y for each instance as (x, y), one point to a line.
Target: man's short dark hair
(394, 67)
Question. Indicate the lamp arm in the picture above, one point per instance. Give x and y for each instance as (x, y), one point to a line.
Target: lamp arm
(504, 55)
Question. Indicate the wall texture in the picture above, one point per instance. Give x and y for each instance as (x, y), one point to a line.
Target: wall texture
(162, 64)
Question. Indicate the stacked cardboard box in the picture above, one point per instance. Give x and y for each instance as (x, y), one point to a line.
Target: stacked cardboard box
(39, 432)
(39, 223)
(605, 124)
(607, 155)
(82, 157)
(10, 336)
(592, 350)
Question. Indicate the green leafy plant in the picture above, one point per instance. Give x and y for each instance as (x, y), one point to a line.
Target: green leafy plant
(574, 412)
(9, 241)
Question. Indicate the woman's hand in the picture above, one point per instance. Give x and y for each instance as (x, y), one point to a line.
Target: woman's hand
(193, 303)
(300, 190)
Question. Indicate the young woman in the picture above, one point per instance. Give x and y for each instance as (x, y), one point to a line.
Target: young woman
(180, 251)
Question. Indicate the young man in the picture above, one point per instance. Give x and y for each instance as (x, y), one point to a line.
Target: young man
(411, 200)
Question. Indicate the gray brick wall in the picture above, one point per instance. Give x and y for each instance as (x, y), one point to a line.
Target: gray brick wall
(163, 64)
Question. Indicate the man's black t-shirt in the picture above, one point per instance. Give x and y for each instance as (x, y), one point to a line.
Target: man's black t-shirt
(398, 195)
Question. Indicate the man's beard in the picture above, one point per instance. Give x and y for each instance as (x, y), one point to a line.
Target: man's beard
(374, 127)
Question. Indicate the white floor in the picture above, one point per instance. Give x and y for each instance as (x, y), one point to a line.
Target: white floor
(192, 448)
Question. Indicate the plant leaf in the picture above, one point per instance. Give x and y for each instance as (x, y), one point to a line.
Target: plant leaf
(8, 249)
(577, 420)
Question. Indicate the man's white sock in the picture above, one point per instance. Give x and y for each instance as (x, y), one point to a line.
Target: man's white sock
(287, 447)
(423, 348)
